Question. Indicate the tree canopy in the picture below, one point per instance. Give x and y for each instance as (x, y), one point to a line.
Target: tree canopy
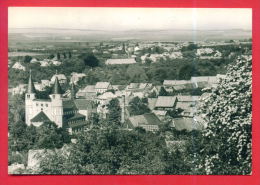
(228, 113)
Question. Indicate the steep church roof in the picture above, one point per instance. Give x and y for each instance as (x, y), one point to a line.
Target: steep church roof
(56, 87)
(41, 117)
(31, 88)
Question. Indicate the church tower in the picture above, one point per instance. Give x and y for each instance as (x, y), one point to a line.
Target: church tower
(29, 97)
(56, 103)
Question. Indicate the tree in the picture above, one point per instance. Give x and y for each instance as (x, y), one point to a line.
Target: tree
(90, 60)
(64, 55)
(58, 56)
(138, 107)
(27, 59)
(109, 151)
(49, 136)
(163, 92)
(228, 112)
(51, 56)
(187, 71)
(114, 114)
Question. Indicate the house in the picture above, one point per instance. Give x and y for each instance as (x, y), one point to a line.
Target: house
(148, 121)
(166, 103)
(204, 81)
(56, 63)
(187, 104)
(176, 55)
(20, 89)
(152, 103)
(61, 77)
(102, 87)
(85, 107)
(186, 123)
(89, 92)
(75, 77)
(18, 66)
(160, 113)
(171, 85)
(120, 61)
(34, 60)
(44, 63)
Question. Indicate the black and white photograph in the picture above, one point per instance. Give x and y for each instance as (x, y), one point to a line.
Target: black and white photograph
(129, 91)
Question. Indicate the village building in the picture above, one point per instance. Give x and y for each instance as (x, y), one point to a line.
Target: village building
(89, 92)
(102, 87)
(61, 77)
(171, 85)
(186, 123)
(187, 104)
(19, 66)
(166, 103)
(120, 61)
(75, 77)
(148, 121)
(20, 89)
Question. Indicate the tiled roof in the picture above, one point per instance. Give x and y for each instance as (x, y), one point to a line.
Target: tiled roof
(83, 104)
(78, 124)
(89, 88)
(175, 82)
(188, 98)
(151, 103)
(145, 119)
(121, 61)
(41, 117)
(102, 85)
(165, 101)
(186, 124)
(69, 105)
(76, 116)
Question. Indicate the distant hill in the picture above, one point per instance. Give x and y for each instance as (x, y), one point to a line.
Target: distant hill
(78, 35)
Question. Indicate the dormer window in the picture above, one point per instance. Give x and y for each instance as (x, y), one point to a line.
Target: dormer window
(53, 96)
(28, 96)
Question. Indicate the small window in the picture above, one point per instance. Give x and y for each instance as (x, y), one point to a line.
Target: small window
(28, 96)
(36, 104)
(41, 109)
(42, 105)
(46, 105)
(53, 96)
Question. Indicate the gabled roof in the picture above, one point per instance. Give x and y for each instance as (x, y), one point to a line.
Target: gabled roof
(187, 98)
(176, 82)
(41, 117)
(165, 101)
(120, 61)
(186, 124)
(144, 119)
(75, 117)
(209, 79)
(102, 85)
(152, 103)
(83, 104)
(69, 105)
(89, 89)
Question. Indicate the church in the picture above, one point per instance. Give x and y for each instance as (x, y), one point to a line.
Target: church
(70, 113)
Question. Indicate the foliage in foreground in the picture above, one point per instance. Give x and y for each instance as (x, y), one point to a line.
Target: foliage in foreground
(228, 112)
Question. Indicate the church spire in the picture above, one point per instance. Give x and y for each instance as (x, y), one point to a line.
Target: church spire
(31, 88)
(72, 91)
(56, 87)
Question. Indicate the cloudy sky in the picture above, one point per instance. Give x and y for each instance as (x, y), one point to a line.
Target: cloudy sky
(129, 18)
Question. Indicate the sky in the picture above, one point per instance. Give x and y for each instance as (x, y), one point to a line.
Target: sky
(130, 18)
